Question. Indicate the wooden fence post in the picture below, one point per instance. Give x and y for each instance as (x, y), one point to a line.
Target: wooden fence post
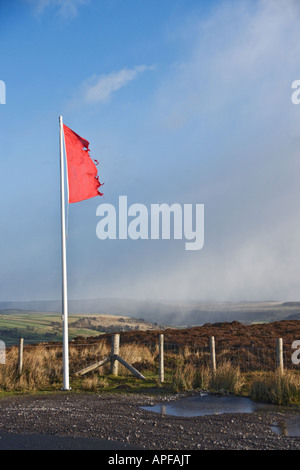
(115, 349)
(113, 358)
(93, 366)
(279, 350)
(20, 362)
(212, 354)
(129, 367)
(161, 359)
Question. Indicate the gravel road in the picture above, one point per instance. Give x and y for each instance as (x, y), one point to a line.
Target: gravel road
(68, 420)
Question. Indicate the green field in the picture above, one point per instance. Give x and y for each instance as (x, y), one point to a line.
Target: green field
(37, 327)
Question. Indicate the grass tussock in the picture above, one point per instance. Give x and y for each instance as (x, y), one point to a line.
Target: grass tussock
(188, 377)
(43, 370)
(40, 370)
(138, 356)
(87, 355)
(93, 383)
(227, 377)
(43, 367)
(184, 377)
(276, 388)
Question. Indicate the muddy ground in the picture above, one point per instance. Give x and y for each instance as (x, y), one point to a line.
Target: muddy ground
(119, 420)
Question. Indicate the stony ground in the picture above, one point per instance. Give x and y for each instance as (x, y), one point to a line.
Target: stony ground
(120, 419)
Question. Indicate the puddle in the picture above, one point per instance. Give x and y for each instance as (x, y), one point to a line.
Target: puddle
(289, 427)
(206, 404)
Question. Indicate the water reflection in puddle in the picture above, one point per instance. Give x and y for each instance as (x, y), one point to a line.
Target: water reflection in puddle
(203, 405)
(289, 427)
(206, 404)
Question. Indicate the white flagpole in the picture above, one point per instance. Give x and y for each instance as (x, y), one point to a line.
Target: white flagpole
(66, 385)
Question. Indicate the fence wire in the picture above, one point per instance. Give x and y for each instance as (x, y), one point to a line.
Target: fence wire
(145, 356)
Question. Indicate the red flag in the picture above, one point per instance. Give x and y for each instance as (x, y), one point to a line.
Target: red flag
(83, 180)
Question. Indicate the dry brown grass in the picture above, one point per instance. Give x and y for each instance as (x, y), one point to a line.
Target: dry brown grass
(43, 366)
(93, 383)
(138, 356)
(227, 377)
(87, 355)
(189, 376)
(277, 388)
(41, 369)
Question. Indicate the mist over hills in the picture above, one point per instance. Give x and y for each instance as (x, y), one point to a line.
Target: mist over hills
(167, 312)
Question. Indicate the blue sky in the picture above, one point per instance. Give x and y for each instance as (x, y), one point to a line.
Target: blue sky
(182, 101)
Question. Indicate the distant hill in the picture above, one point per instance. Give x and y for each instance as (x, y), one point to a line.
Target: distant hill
(291, 304)
(37, 327)
(295, 316)
(179, 314)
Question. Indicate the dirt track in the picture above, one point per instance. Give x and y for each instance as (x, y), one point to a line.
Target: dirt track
(120, 419)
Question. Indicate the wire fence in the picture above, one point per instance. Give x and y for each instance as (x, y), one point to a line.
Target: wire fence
(147, 357)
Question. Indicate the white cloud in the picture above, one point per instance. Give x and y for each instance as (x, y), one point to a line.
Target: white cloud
(231, 100)
(100, 88)
(65, 8)
(223, 126)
